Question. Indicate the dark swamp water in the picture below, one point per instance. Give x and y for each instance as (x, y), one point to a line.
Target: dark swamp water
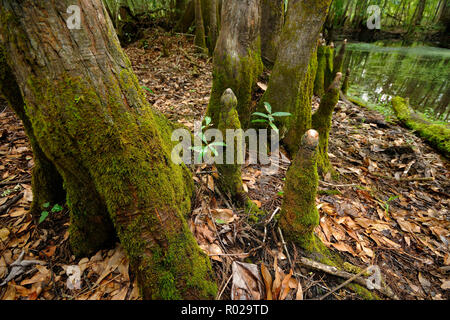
(382, 70)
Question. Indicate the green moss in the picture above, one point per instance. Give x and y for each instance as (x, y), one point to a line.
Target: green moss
(321, 121)
(134, 183)
(230, 174)
(299, 215)
(253, 212)
(319, 82)
(300, 121)
(437, 134)
(240, 74)
(46, 181)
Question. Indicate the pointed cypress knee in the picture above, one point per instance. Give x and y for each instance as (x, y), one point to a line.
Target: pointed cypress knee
(230, 174)
(299, 215)
(321, 121)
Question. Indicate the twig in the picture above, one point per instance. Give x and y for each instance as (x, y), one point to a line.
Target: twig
(343, 274)
(224, 287)
(339, 185)
(285, 248)
(344, 283)
(10, 202)
(187, 56)
(420, 179)
(6, 183)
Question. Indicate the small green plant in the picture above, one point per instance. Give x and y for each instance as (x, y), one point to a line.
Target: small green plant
(45, 212)
(203, 150)
(386, 204)
(148, 89)
(269, 118)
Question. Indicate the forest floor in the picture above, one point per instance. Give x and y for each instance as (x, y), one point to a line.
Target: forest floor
(386, 205)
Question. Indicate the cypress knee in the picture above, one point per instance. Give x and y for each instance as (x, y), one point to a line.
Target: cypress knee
(299, 215)
(230, 174)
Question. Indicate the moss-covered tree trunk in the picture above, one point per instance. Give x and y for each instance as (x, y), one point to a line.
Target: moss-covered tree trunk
(346, 83)
(237, 57)
(46, 181)
(288, 83)
(321, 121)
(338, 61)
(91, 119)
(324, 73)
(301, 117)
(272, 20)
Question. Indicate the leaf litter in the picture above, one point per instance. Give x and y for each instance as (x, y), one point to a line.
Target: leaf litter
(388, 207)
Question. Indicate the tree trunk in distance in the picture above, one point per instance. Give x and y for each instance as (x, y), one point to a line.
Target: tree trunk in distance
(237, 58)
(213, 30)
(272, 20)
(187, 18)
(298, 42)
(346, 83)
(47, 184)
(91, 118)
(321, 121)
(339, 59)
(199, 39)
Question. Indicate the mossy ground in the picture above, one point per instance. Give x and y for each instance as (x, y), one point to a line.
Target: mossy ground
(436, 133)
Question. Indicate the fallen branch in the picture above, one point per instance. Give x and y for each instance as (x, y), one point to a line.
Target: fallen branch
(7, 183)
(4, 207)
(343, 274)
(419, 179)
(344, 283)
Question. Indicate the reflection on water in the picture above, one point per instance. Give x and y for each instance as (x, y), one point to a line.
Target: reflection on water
(380, 71)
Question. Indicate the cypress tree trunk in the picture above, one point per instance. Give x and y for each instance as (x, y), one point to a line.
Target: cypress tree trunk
(213, 30)
(46, 182)
(298, 42)
(187, 18)
(199, 39)
(90, 117)
(272, 20)
(339, 59)
(321, 121)
(237, 58)
(346, 83)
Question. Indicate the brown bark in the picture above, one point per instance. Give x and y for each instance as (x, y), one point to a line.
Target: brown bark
(46, 181)
(91, 119)
(298, 42)
(237, 57)
(272, 20)
(199, 39)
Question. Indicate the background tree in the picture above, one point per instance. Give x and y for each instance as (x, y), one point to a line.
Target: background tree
(91, 119)
(288, 90)
(272, 20)
(237, 58)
